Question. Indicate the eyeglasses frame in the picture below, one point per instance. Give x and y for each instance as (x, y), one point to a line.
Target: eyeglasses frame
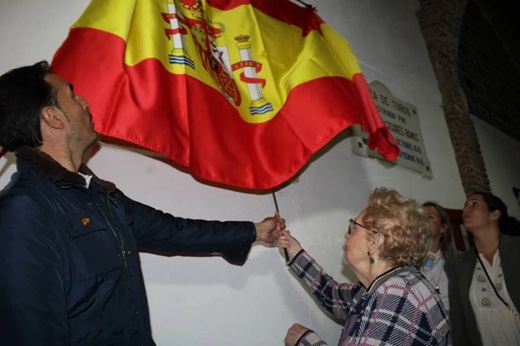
(350, 229)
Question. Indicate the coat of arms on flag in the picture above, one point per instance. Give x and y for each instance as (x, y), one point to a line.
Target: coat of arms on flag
(241, 92)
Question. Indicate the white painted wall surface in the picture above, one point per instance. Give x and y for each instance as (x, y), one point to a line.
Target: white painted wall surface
(206, 301)
(502, 160)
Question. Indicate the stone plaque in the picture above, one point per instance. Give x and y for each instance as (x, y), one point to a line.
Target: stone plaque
(402, 120)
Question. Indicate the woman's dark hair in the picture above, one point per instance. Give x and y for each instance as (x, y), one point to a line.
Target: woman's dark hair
(445, 243)
(507, 224)
(23, 94)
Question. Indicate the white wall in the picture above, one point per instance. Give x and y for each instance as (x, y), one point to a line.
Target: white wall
(502, 163)
(206, 301)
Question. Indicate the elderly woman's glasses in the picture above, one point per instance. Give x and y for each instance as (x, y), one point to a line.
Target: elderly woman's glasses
(352, 224)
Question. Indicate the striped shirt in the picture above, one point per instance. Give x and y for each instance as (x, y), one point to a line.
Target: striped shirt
(400, 307)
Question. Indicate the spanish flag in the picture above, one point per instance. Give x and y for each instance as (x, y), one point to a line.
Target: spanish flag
(241, 92)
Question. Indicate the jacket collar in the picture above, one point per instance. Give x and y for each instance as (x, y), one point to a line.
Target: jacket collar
(51, 169)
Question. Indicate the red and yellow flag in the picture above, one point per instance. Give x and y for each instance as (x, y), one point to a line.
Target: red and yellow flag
(241, 92)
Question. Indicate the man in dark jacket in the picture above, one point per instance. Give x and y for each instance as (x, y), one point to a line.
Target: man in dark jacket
(69, 267)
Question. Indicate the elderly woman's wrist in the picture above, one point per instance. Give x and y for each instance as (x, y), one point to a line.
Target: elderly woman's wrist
(305, 335)
(292, 259)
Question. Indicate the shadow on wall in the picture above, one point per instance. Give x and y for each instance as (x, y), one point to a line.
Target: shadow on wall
(516, 193)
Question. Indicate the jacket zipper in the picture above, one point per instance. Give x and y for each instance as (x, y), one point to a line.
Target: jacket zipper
(117, 235)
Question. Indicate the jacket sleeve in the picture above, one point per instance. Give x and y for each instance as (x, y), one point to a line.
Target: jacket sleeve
(32, 303)
(161, 232)
(333, 296)
(311, 339)
(459, 332)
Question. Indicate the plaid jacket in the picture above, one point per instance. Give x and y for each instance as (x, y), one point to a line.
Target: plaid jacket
(399, 308)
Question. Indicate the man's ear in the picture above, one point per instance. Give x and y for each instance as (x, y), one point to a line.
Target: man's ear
(52, 116)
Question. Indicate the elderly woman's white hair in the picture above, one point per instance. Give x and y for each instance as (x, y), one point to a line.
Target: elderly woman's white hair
(404, 225)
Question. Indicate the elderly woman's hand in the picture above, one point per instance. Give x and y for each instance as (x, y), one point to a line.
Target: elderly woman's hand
(294, 334)
(286, 241)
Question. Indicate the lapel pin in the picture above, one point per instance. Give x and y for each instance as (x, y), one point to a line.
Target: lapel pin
(85, 221)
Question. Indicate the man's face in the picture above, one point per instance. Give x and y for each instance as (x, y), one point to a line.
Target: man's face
(77, 118)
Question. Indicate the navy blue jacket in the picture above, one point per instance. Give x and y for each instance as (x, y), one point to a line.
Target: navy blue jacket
(69, 266)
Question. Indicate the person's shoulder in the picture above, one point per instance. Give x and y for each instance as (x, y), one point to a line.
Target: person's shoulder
(16, 186)
(457, 257)
(403, 278)
(24, 196)
(410, 277)
(19, 213)
(410, 285)
(509, 243)
(409, 273)
(22, 185)
(461, 256)
(509, 238)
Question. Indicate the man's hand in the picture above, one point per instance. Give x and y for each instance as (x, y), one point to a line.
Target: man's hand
(270, 228)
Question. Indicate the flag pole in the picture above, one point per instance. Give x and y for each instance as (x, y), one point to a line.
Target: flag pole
(278, 211)
(307, 5)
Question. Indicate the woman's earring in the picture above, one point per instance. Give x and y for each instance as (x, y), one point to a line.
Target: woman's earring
(372, 260)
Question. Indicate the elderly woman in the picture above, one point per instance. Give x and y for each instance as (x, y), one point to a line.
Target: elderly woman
(434, 267)
(484, 286)
(393, 304)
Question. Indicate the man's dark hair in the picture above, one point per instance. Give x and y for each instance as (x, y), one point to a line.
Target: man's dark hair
(23, 94)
